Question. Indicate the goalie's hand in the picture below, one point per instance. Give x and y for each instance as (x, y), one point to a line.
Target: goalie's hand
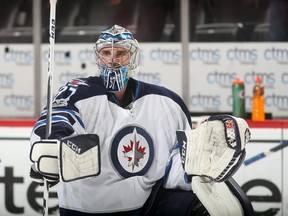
(215, 149)
(44, 155)
(39, 178)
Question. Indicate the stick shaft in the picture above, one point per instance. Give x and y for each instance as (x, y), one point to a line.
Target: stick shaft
(266, 153)
(52, 28)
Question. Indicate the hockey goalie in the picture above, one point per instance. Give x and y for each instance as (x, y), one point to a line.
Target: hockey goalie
(120, 146)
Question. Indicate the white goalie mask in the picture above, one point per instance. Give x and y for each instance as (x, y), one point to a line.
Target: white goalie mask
(117, 57)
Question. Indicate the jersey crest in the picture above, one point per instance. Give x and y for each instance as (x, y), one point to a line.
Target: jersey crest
(132, 151)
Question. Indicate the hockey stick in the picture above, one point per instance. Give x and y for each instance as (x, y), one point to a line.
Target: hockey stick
(264, 154)
(52, 26)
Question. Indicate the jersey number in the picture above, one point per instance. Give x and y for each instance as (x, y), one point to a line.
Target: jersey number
(65, 92)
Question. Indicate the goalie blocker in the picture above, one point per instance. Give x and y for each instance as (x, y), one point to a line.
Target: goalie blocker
(72, 158)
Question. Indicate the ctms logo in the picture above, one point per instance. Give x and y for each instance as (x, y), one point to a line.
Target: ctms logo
(242, 55)
(279, 55)
(167, 56)
(205, 55)
(20, 57)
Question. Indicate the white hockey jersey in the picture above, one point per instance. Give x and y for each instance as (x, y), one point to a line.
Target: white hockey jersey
(138, 143)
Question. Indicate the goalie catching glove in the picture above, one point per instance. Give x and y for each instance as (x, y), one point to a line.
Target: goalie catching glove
(70, 158)
(215, 149)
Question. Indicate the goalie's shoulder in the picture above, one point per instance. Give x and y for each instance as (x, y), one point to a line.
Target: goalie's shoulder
(148, 88)
(145, 89)
(89, 86)
(87, 82)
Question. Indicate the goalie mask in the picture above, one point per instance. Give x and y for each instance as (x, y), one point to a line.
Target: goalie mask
(117, 57)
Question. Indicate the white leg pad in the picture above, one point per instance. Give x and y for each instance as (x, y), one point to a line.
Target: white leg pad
(217, 198)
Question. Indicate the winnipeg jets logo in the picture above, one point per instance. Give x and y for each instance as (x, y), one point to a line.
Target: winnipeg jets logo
(132, 151)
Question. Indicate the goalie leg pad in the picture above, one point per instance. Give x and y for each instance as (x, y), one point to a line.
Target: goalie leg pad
(79, 157)
(217, 198)
(216, 148)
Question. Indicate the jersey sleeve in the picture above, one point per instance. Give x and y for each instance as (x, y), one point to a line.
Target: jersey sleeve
(175, 176)
(66, 119)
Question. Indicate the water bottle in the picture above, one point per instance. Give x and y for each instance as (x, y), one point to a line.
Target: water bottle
(258, 102)
(238, 95)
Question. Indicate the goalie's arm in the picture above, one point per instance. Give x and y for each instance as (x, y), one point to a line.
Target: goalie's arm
(63, 125)
(175, 176)
(66, 120)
